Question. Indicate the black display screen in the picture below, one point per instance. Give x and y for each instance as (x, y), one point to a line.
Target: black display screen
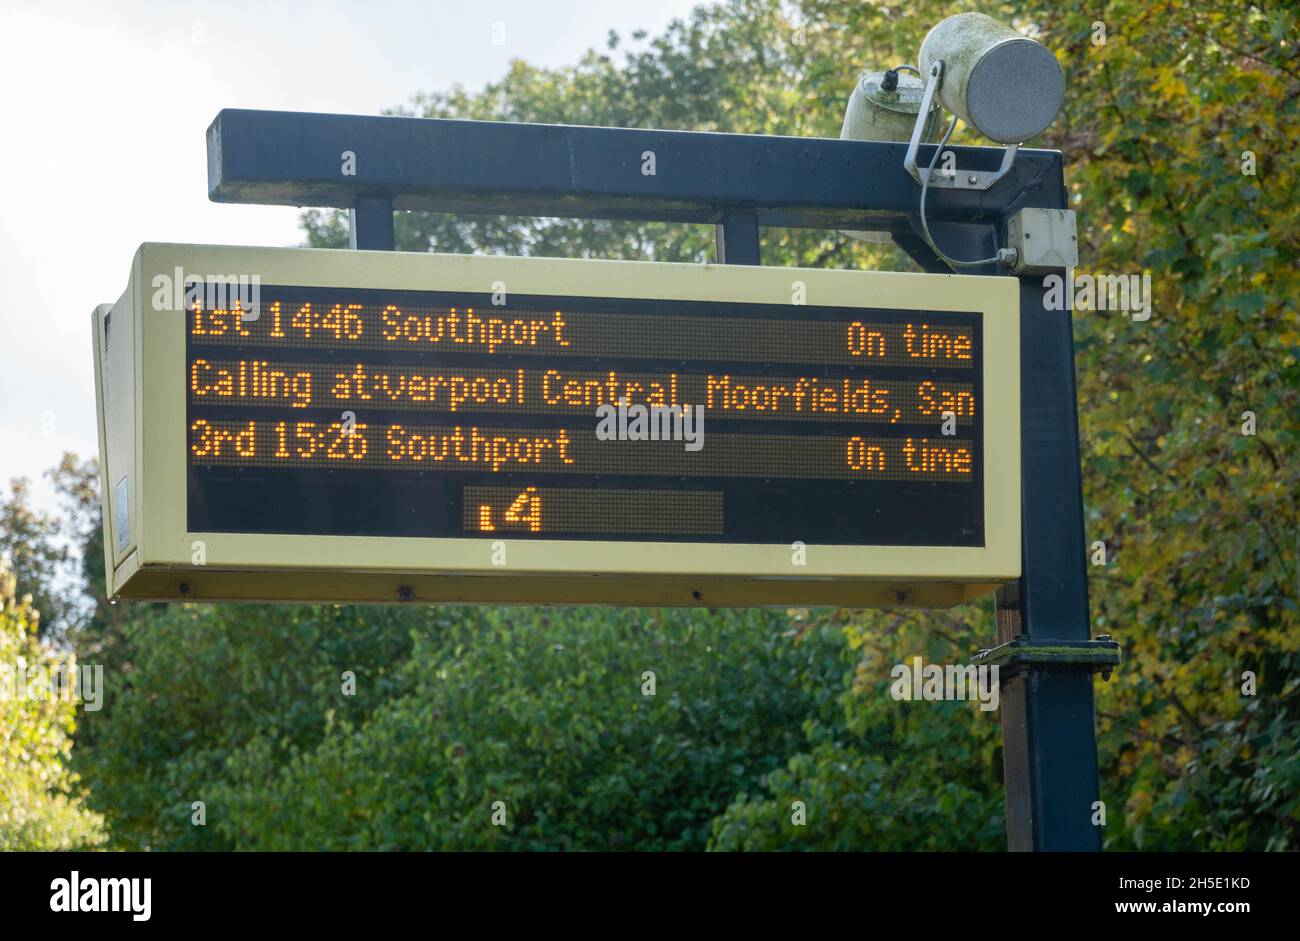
(439, 414)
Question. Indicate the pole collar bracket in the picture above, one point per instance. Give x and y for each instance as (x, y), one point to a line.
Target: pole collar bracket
(1101, 654)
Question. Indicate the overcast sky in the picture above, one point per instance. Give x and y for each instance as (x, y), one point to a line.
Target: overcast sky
(105, 109)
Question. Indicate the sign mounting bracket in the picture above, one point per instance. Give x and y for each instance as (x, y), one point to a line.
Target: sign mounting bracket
(281, 158)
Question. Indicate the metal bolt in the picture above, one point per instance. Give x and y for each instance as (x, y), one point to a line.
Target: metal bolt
(972, 179)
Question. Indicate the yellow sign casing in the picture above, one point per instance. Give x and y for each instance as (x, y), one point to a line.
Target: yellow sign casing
(140, 347)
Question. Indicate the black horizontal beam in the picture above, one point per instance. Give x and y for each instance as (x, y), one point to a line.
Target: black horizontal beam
(501, 168)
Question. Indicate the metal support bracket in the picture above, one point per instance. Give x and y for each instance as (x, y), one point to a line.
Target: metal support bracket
(960, 180)
(1101, 654)
(744, 182)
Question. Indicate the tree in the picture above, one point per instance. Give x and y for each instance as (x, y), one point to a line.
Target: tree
(1178, 120)
(40, 804)
(41, 545)
(97, 631)
(30, 541)
(536, 729)
(208, 682)
(1169, 107)
(1198, 519)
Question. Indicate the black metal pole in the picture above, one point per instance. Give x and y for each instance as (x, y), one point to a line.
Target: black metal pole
(737, 239)
(1048, 732)
(741, 182)
(370, 225)
(503, 168)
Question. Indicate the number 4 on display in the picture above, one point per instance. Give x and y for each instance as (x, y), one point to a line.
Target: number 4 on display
(526, 509)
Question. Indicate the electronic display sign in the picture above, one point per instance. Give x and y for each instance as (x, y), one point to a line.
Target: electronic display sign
(390, 426)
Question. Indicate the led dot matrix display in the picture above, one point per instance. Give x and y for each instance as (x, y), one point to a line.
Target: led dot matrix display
(441, 414)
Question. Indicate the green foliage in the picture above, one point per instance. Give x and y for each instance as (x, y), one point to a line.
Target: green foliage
(209, 683)
(96, 628)
(455, 708)
(728, 67)
(33, 553)
(884, 774)
(40, 803)
(1200, 520)
(37, 546)
(546, 711)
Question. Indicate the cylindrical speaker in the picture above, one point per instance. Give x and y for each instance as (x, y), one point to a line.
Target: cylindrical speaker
(879, 112)
(885, 109)
(1006, 86)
